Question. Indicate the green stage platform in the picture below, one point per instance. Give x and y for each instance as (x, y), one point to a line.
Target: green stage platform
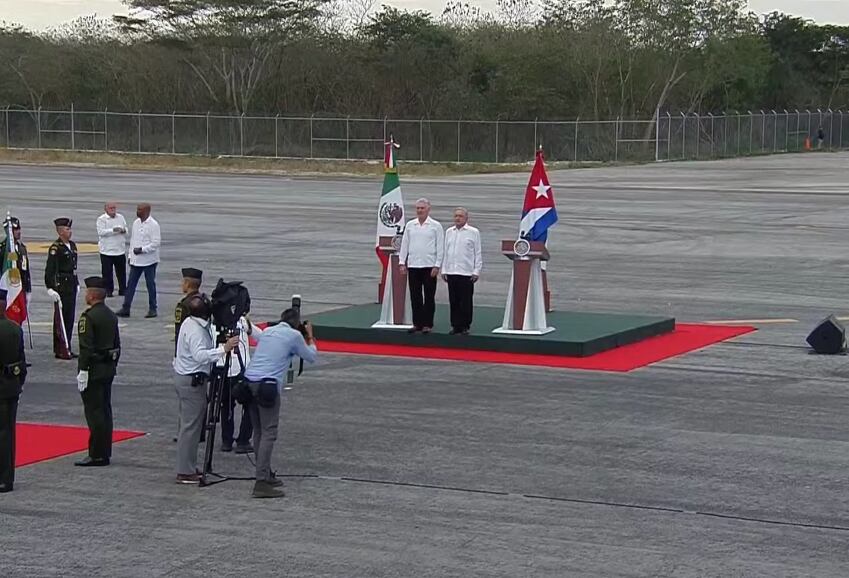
(577, 334)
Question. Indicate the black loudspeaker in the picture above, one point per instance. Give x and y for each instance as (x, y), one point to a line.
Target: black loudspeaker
(828, 337)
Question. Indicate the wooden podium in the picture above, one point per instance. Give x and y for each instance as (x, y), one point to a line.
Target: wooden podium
(526, 303)
(395, 312)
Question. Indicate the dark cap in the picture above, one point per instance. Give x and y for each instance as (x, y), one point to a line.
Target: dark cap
(94, 283)
(16, 223)
(62, 222)
(193, 273)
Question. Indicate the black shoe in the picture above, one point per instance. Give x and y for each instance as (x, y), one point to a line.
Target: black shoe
(5, 488)
(92, 463)
(226, 447)
(74, 355)
(453, 331)
(244, 449)
(263, 489)
(122, 312)
(151, 313)
(414, 329)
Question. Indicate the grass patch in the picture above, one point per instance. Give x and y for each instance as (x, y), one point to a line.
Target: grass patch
(166, 162)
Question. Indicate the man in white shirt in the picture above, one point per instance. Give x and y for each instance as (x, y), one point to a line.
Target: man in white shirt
(420, 258)
(461, 268)
(144, 257)
(246, 329)
(112, 243)
(196, 353)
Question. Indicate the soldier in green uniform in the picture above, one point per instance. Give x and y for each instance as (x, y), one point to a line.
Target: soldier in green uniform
(190, 286)
(60, 277)
(100, 349)
(21, 250)
(13, 373)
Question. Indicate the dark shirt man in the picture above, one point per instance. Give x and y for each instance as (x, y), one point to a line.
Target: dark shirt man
(60, 277)
(100, 349)
(13, 372)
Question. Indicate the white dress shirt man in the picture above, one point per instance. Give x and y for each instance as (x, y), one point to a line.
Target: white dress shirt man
(112, 243)
(196, 352)
(461, 269)
(420, 257)
(144, 257)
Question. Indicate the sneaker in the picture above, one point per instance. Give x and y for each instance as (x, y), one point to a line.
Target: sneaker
(122, 313)
(244, 449)
(151, 313)
(188, 478)
(263, 489)
(274, 482)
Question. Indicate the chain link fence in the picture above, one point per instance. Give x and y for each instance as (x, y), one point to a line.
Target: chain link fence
(666, 137)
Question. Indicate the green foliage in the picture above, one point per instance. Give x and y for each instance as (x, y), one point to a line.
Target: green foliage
(546, 59)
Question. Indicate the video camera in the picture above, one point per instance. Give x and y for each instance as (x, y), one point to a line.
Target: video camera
(230, 302)
(302, 325)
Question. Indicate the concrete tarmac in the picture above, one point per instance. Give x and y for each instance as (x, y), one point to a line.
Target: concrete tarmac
(729, 461)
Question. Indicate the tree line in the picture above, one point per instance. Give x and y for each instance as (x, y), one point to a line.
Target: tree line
(559, 59)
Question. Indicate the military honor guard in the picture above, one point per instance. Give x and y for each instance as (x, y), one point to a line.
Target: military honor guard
(100, 350)
(13, 372)
(21, 252)
(60, 277)
(190, 286)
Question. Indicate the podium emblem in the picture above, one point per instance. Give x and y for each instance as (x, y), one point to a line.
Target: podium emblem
(522, 247)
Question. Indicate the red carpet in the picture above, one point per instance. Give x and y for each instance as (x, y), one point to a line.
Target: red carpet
(36, 442)
(685, 338)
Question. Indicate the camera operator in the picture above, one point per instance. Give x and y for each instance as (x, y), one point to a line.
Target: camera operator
(195, 353)
(238, 364)
(265, 375)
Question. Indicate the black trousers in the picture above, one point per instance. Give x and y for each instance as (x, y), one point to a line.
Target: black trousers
(97, 404)
(119, 263)
(461, 291)
(422, 295)
(8, 417)
(69, 311)
(228, 418)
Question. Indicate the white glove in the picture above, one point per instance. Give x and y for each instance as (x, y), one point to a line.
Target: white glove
(82, 381)
(53, 295)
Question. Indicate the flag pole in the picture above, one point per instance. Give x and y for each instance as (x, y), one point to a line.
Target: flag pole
(29, 327)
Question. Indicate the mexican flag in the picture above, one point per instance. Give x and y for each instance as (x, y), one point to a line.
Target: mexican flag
(390, 207)
(16, 305)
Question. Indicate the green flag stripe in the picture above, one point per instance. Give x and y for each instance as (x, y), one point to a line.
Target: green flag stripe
(390, 183)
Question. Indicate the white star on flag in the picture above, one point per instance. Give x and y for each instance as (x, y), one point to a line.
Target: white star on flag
(541, 189)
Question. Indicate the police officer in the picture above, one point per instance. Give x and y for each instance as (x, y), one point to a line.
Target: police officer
(13, 372)
(100, 349)
(60, 277)
(21, 250)
(190, 286)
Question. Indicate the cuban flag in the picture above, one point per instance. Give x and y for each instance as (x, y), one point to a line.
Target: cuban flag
(539, 212)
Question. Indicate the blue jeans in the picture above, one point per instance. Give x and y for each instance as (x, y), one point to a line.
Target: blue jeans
(149, 279)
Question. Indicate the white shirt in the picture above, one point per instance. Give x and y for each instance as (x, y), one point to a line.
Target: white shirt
(147, 236)
(422, 244)
(196, 347)
(244, 347)
(109, 242)
(462, 251)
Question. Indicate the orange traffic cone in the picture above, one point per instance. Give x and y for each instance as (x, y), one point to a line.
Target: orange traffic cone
(807, 143)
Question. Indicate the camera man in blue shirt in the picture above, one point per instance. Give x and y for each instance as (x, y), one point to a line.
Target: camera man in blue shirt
(265, 375)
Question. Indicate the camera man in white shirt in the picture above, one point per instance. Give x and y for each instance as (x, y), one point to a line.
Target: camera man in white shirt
(112, 243)
(246, 329)
(421, 257)
(196, 352)
(461, 269)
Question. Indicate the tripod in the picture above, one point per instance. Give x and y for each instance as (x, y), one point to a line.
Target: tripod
(218, 380)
